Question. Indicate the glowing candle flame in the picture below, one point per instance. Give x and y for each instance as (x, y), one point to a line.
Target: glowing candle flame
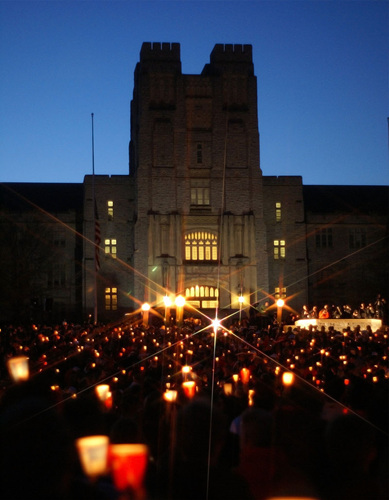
(170, 396)
(128, 464)
(287, 378)
(93, 453)
(189, 388)
(18, 368)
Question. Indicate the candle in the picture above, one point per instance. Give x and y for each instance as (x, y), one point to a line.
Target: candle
(245, 375)
(189, 388)
(102, 391)
(93, 453)
(128, 464)
(18, 368)
(170, 396)
(287, 378)
(227, 388)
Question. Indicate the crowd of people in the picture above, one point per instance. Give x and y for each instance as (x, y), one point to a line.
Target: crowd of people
(375, 309)
(249, 436)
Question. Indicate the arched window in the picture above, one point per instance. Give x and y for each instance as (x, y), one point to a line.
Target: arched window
(201, 246)
(202, 296)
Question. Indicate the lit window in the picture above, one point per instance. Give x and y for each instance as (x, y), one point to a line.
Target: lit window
(278, 211)
(357, 237)
(203, 296)
(279, 293)
(110, 248)
(201, 245)
(110, 209)
(279, 249)
(111, 299)
(323, 238)
(199, 192)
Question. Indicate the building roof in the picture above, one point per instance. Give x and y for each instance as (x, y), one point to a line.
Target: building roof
(366, 199)
(51, 197)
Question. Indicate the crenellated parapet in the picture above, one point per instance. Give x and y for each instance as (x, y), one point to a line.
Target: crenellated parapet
(160, 52)
(232, 53)
(230, 58)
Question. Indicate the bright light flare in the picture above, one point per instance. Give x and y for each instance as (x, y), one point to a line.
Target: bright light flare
(216, 324)
(170, 396)
(287, 378)
(180, 301)
(167, 301)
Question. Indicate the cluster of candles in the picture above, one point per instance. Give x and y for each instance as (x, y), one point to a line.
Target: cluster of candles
(297, 362)
(127, 463)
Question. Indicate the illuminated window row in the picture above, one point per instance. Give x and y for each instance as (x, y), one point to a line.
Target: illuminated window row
(201, 246)
(278, 211)
(110, 209)
(202, 291)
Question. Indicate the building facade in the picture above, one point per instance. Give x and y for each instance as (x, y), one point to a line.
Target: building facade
(195, 216)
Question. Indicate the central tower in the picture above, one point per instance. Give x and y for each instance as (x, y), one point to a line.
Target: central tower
(194, 156)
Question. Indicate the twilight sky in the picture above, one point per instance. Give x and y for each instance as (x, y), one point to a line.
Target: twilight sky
(322, 70)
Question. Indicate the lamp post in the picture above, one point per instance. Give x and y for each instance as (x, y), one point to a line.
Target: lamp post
(180, 302)
(145, 311)
(168, 302)
(240, 300)
(280, 304)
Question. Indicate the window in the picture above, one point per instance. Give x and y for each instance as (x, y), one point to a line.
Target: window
(203, 296)
(199, 154)
(111, 299)
(357, 238)
(279, 293)
(57, 275)
(201, 246)
(110, 209)
(278, 211)
(279, 249)
(199, 192)
(59, 238)
(323, 238)
(110, 248)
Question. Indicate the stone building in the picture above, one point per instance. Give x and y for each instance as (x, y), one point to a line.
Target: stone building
(195, 216)
(194, 158)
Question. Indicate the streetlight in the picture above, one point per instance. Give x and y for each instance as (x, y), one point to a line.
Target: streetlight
(280, 304)
(145, 308)
(180, 302)
(168, 302)
(240, 300)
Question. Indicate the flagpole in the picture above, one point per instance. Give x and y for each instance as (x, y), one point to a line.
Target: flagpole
(94, 223)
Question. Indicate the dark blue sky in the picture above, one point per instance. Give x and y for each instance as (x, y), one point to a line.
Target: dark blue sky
(322, 69)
